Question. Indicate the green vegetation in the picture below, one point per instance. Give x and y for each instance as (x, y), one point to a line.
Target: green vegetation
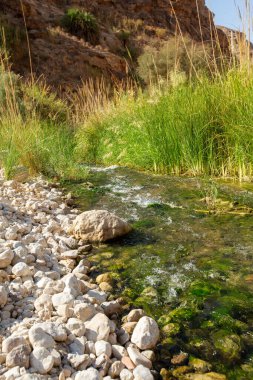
(35, 130)
(176, 60)
(11, 37)
(82, 24)
(196, 128)
(194, 118)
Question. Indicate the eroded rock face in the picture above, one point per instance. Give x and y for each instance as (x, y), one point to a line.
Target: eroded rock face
(99, 226)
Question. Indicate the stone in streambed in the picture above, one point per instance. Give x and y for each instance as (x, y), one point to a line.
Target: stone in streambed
(146, 333)
(142, 373)
(99, 226)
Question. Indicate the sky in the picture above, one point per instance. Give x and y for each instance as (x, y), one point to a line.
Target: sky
(226, 12)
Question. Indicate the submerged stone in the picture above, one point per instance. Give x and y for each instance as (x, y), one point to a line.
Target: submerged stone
(228, 346)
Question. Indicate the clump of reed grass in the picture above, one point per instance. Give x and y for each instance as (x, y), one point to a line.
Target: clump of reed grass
(36, 131)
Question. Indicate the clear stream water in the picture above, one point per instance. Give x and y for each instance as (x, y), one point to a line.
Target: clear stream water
(188, 262)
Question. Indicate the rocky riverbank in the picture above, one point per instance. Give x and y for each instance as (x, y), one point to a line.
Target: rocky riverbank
(56, 322)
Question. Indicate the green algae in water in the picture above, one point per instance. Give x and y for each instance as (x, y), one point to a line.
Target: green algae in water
(191, 271)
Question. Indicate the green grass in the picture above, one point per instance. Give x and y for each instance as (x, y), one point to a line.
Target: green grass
(194, 128)
(36, 132)
(201, 127)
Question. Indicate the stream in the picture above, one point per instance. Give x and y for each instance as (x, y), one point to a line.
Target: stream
(188, 262)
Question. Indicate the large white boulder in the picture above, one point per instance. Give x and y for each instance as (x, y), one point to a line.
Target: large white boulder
(146, 333)
(99, 225)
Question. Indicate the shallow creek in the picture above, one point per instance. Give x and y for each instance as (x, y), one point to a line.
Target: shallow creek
(188, 263)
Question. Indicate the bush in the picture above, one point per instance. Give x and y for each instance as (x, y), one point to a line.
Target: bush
(11, 36)
(175, 55)
(82, 24)
(39, 100)
(9, 88)
(35, 131)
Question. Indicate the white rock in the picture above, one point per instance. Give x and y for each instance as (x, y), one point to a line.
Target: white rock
(99, 225)
(84, 311)
(12, 374)
(58, 332)
(102, 362)
(11, 233)
(149, 354)
(81, 268)
(115, 369)
(76, 326)
(78, 346)
(62, 299)
(146, 333)
(142, 373)
(103, 347)
(90, 347)
(119, 351)
(3, 223)
(125, 374)
(77, 360)
(72, 285)
(111, 307)
(73, 254)
(39, 338)
(6, 258)
(135, 315)
(41, 360)
(18, 356)
(56, 355)
(98, 295)
(29, 376)
(21, 270)
(89, 374)
(3, 296)
(65, 311)
(43, 302)
(98, 328)
(11, 342)
(137, 358)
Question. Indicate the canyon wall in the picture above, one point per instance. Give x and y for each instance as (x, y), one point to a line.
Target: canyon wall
(64, 60)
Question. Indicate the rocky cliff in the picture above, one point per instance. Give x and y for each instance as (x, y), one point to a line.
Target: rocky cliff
(64, 60)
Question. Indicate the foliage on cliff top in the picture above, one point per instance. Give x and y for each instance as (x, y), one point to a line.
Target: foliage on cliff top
(81, 23)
